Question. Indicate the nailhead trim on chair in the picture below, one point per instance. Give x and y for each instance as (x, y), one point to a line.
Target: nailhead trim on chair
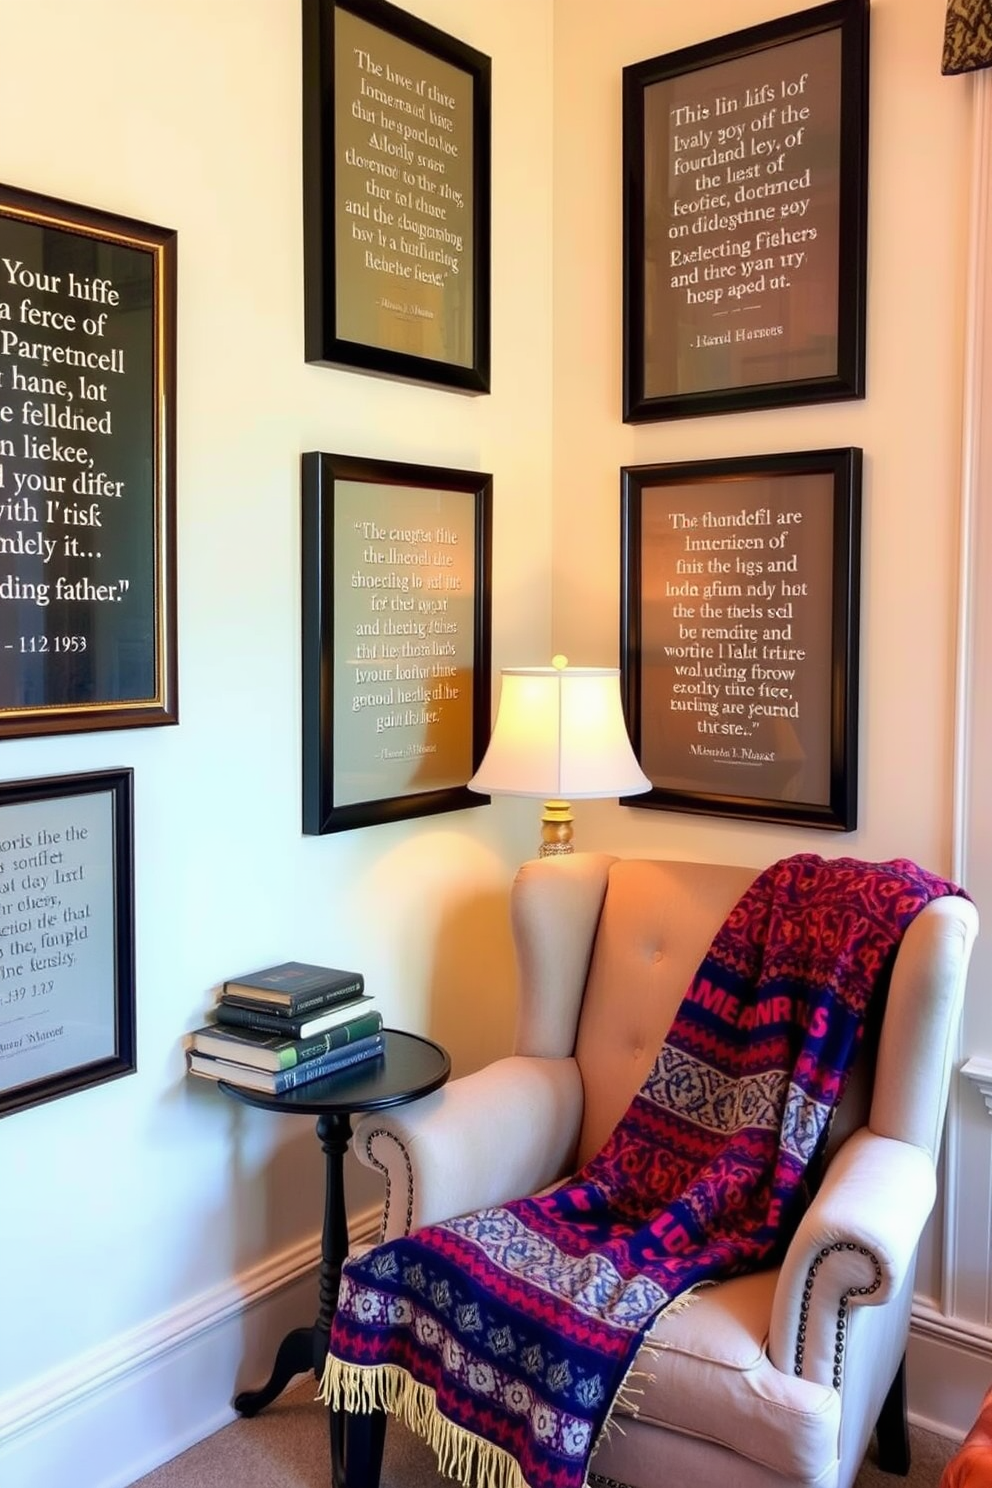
(864, 1291)
(375, 1163)
(597, 1481)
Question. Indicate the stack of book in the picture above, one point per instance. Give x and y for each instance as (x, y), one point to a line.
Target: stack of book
(285, 1026)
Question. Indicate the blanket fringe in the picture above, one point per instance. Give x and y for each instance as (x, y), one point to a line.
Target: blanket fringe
(460, 1453)
(651, 1345)
(626, 1401)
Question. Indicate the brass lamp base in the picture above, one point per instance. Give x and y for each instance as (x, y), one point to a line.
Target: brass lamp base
(556, 829)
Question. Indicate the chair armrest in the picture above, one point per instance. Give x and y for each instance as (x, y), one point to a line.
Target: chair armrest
(855, 1245)
(500, 1133)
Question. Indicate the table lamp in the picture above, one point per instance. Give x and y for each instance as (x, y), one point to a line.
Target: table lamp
(559, 735)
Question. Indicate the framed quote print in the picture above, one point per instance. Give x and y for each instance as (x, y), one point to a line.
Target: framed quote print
(397, 605)
(87, 469)
(396, 177)
(739, 635)
(745, 188)
(67, 994)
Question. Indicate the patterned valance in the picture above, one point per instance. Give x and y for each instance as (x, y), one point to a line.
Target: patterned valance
(967, 36)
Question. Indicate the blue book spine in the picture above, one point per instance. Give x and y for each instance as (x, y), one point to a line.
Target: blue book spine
(326, 1064)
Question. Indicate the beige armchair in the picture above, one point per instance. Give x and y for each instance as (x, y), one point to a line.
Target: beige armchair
(770, 1380)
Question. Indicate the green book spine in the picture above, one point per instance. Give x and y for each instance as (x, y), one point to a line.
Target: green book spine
(302, 1050)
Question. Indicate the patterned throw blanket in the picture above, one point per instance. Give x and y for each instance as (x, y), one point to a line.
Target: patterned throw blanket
(505, 1336)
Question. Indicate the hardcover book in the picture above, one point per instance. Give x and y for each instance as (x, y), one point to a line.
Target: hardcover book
(274, 1051)
(274, 1082)
(295, 986)
(237, 1015)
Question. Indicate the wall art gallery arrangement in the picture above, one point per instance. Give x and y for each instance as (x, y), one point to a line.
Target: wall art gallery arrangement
(87, 616)
(744, 287)
(396, 557)
(745, 188)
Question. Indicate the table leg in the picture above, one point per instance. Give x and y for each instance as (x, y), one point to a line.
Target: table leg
(306, 1348)
(357, 1443)
(294, 1356)
(356, 1439)
(335, 1133)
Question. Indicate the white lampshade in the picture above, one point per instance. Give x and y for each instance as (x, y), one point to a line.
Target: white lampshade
(560, 734)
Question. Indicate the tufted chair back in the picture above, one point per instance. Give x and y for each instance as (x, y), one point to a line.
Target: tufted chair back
(608, 946)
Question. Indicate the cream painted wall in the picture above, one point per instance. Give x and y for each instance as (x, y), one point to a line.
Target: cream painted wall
(909, 424)
(124, 1202)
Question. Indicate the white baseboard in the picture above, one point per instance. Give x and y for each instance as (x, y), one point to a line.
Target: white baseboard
(949, 1370)
(124, 1409)
(115, 1414)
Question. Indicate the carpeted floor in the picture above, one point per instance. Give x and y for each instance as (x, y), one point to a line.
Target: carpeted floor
(286, 1445)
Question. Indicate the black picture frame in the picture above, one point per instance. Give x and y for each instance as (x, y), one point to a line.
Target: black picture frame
(396, 622)
(739, 635)
(397, 120)
(745, 208)
(87, 469)
(67, 974)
